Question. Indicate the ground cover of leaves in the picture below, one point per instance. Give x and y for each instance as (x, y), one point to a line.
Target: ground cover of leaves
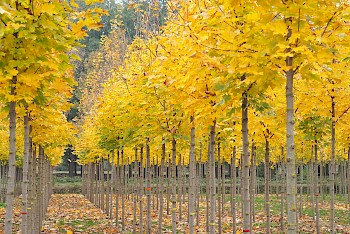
(72, 213)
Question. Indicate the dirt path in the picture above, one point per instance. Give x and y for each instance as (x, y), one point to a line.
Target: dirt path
(72, 213)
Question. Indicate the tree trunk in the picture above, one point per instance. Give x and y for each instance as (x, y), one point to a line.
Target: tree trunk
(192, 188)
(267, 186)
(108, 188)
(219, 189)
(134, 195)
(180, 186)
(102, 179)
(25, 175)
(283, 190)
(233, 190)
(33, 203)
(301, 188)
(30, 188)
(212, 186)
(141, 190)
(114, 178)
(316, 191)
(207, 192)
(245, 167)
(161, 189)
(291, 170)
(168, 186)
(173, 189)
(123, 188)
(11, 162)
(199, 188)
(117, 190)
(223, 186)
(332, 172)
(310, 183)
(252, 185)
(148, 189)
(348, 177)
(40, 189)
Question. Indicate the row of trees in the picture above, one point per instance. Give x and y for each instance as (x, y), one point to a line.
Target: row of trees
(37, 40)
(143, 196)
(214, 66)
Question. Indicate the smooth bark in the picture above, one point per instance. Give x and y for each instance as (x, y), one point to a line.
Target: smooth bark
(192, 175)
(173, 189)
(332, 169)
(245, 190)
(11, 176)
(212, 184)
(292, 227)
(25, 181)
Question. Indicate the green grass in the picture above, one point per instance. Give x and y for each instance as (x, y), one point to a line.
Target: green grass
(77, 225)
(2, 205)
(67, 180)
(66, 184)
(342, 215)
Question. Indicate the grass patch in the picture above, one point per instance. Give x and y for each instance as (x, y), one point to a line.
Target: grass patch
(2, 205)
(67, 180)
(66, 184)
(342, 216)
(76, 225)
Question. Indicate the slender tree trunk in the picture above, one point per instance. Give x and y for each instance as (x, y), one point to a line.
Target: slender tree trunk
(25, 175)
(173, 190)
(291, 170)
(321, 176)
(192, 188)
(301, 188)
(11, 162)
(117, 191)
(180, 186)
(233, 190)
(114, 178)
(134, 195)
(91, 182)
(348, 177)
(148, 189)
(141, 190)
(343, 178)
(219, 189)
(161, 189)
(316, 191)
(312, 185)
(102, 178)
(154, 190)
(252, 186)
(332, 172)
(40, 188)
(267, 186)
(223, 187)
(168, 186)
(199, 182)
(123, 192)
(184, 185)
(97, 185)
(207, 193)
(245, 167)
(283, 190)
(108, 189)
(30, 188)
(33, 203)
(212, 186)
